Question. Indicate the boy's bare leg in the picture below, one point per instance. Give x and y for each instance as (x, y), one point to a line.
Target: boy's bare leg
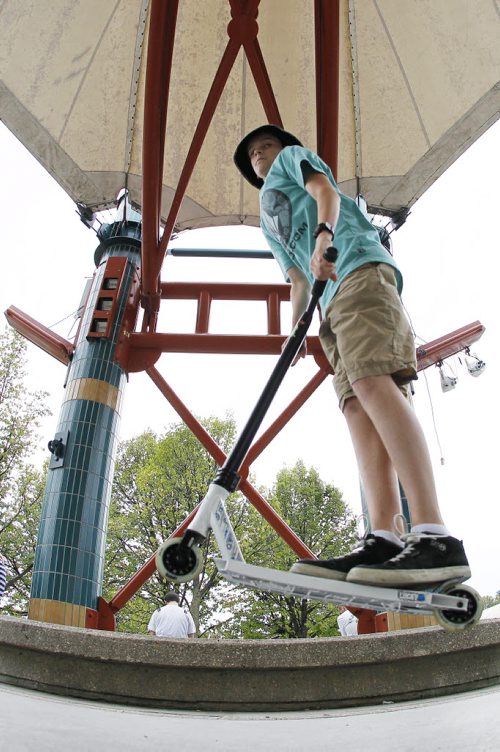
(400, 432)
(380, 483)
(389, 443)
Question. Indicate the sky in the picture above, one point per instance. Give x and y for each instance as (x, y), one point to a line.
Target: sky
(448, 252)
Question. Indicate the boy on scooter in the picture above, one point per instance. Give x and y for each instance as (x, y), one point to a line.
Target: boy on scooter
(367, 339)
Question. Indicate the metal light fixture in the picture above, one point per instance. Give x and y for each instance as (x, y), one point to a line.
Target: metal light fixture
(448, 382)
(474, 365)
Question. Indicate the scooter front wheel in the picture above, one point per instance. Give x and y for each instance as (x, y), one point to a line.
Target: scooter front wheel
(178, 562)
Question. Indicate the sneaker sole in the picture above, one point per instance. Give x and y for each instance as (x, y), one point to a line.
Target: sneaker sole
(317, 571)
(401, 578)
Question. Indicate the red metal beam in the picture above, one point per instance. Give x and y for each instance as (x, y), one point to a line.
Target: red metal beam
(450, 344)
(189, 419)
(327, 34)
(279, 525)
(242, 30)
(270, 344)
(125, 593)
(122, 597)
(61, 349)
(263, 82)
(203, 313)
(157, 87)
(265, 439)
(273, 314)
(237, 344)
(224, 291)
(244, 27)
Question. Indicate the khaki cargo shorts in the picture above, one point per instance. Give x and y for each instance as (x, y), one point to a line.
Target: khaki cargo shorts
(366, 332)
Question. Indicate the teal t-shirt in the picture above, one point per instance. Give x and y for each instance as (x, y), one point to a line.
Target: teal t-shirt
(288, 216)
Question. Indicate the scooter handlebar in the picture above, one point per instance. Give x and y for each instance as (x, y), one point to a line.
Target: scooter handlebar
(331, 254)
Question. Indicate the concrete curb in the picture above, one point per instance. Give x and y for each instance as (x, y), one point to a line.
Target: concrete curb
(240, 675)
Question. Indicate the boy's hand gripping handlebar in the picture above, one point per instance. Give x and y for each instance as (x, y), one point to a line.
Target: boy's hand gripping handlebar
(331, 254)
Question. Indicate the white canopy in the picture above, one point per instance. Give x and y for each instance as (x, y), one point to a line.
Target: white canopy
(419, 82)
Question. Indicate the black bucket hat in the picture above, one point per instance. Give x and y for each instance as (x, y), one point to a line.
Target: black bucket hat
(242, 160)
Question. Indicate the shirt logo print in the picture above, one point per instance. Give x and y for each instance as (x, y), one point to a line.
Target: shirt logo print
(277, 215)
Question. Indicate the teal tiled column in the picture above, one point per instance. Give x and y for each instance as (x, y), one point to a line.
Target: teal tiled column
(69, 557)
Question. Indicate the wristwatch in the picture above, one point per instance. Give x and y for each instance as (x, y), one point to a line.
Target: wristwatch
(322, 227)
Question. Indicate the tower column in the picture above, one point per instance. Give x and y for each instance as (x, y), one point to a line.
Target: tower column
(69, 557)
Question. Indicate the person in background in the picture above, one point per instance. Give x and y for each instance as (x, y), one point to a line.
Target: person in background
(171, 620)
(347, 623)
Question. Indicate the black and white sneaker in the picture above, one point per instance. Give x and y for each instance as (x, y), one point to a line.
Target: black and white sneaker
(371, 550)
(425, 559)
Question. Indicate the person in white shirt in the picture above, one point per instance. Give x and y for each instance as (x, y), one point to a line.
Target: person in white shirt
(171, 620)
(347, 623)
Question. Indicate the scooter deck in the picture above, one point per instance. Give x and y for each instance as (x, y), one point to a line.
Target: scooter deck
(337, 591)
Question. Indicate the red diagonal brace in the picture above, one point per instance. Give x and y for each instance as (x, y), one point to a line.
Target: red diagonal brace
(206, 116)
(262, 81)
(284, 531)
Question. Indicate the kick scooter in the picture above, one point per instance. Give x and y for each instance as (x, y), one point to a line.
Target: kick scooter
(455, 606)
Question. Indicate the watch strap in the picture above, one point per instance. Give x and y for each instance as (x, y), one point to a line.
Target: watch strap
(324, 227)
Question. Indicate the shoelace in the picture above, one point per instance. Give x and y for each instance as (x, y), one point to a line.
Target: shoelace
(410, 540)
(364, 543)
(409, 548)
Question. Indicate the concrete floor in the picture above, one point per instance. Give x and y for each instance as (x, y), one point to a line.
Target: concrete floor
(35, 722)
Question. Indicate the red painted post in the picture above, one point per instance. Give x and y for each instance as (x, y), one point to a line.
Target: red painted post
(157, 87)
(327, 33)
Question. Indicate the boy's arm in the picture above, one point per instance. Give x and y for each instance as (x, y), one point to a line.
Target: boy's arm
(299, 293)
(299, 298)
(327, 199)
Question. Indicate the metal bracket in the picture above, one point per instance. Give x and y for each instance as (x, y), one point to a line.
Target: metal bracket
(57, 447)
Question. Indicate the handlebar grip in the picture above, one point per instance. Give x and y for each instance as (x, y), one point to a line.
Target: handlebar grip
(331, 254)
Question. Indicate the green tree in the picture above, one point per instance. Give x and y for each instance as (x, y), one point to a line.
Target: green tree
(21, 486)
(318, 514)
(490, 600)
(18, 534)
(158, 481)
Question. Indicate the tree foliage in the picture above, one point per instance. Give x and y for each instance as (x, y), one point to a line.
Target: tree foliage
(318, 514)
(20, 410)
(158, 481)
(490, 600)
(21, 485)
(20, 519)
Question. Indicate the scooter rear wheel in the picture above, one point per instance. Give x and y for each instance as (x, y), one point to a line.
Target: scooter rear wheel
(177, 562)
(453, 620)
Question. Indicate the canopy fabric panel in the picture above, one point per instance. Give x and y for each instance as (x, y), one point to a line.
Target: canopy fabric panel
(418, 83)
